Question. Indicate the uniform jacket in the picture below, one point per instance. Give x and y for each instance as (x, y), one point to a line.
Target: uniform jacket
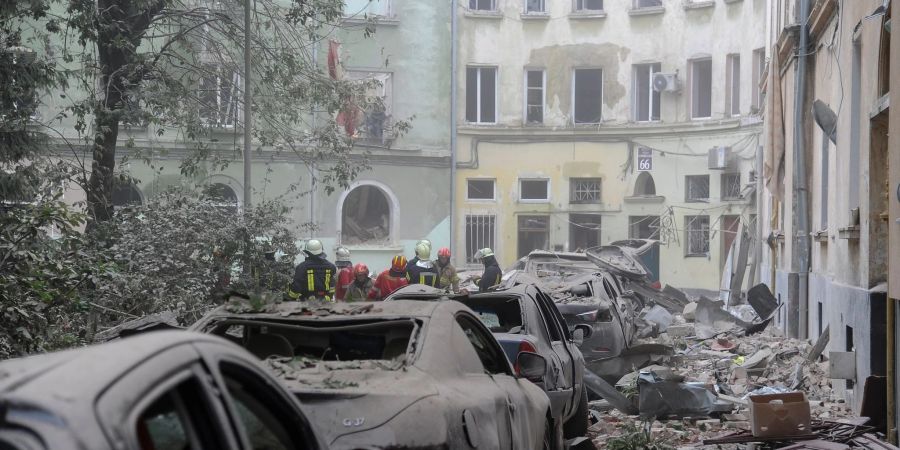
(314, 277)
(388, 282)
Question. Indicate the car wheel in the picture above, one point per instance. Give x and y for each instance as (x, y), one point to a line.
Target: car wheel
(577, 426)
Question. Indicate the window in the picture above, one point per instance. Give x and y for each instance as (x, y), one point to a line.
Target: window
(219, 96)
(646, 99)
(534, 96)
(535, 6)
(534, 190)
(362, 8)
(366, 217)
(644, 186)
(643, 227)
(534, 234)
(376, 103)
(588, 5)
(179, 419)
(223, 196)
(480, 232)
(584, 190)
(701, 89)
(733, 85)
(697, 239)
(855, 116)
(587, 95)
(481, 94)
(480, 190)
(729, 226)
(759, 66)
(584, 231)
(646, 3)
(492, 358)
(125, 193)
(731, 186)
(483, 5)
(696, 188)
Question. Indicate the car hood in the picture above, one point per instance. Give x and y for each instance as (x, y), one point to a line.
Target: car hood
(341, 400)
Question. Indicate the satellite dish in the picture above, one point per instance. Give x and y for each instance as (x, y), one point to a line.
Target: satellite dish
(826, 119)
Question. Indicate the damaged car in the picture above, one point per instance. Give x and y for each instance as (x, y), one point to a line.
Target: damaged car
(524, 320)
(371, 374)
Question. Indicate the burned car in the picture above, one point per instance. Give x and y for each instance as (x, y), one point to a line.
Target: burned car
(161, 390)
(370, 374)
(523, 319)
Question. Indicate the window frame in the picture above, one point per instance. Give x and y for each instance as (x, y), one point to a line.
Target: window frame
(543, 9)
(733, 84)
(478, 113)
(584, 10)
(723, 186)
(652, 93)
(693, 87)
(493, 190)
(468, 222)
(635, 5)
(361, 14)
(575, 70)
(572, 190)
(634, 225)
(477, 10)
(221, 120)
(687, 189)
(523, 252)
(689, 232)
(528, 88)
(759, 68)
(532, 200)
(478, 327)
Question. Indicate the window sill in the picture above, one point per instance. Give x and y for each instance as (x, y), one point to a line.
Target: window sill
(535, 202)
(491, 15)
(696, 200)
(386, 21)
(735, 200)
(696, 4)
(481, 200)
(647, 11)
(697, 255)
(820, 236)
(645, 199)
(849, 233)
(540, 16)
(732, 1)
(583, 15)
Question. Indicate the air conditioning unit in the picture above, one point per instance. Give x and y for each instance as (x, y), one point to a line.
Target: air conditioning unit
(667, 82)
(719, 157)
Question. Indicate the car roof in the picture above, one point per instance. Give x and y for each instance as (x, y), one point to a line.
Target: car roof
(561, 255)
(326, 311)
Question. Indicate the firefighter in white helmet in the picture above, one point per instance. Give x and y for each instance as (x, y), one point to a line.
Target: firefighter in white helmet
(421, 270)
(314, 277)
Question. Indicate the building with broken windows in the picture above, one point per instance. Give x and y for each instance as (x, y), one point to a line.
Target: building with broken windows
(825, 209)
(586, 122)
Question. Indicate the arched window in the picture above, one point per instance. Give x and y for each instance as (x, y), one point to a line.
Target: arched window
(125, 193)
(366, 216)
(223, 195)
(644, 186)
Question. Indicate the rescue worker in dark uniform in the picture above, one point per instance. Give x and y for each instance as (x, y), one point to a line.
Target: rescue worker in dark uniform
(314, 277)
(422, 270)
(492, 274)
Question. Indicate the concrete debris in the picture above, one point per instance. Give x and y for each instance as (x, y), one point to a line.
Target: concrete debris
(689, 311)
(820, 344)
(762, 300)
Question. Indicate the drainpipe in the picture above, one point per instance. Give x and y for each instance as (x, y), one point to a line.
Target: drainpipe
(454, 33)
(800, 254)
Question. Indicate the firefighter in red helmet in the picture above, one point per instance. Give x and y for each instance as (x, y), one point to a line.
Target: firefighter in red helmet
(391, 279)
(361, 288)
(447, 277)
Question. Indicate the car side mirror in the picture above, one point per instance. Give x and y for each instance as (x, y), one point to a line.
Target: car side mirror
(531, 366)
(582, 331)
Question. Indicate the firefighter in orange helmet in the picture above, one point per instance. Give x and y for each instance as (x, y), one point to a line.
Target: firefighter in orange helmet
(391, 279)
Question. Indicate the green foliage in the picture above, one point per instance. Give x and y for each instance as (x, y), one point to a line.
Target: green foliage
(635, 438)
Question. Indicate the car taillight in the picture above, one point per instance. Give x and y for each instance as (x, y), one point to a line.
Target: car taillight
(656, 285)
(524, 346)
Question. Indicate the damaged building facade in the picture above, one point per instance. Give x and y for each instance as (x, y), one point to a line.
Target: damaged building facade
(386, 209)
(825, 210)
(584, 123)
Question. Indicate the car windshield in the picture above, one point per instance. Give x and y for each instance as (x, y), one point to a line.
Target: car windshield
(499, 314)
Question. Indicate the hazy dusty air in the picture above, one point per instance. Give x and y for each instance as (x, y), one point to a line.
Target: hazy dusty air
(501, 224)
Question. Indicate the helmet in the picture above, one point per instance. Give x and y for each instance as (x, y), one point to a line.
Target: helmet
(361, 269)
(342, 254)
(444, 251)
(398, 264)
(484, 253)
(423, 250)
(313, 247)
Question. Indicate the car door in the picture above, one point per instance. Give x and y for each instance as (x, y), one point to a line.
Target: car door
(559, 336)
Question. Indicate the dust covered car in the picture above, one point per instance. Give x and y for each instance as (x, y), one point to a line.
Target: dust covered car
(404, 374)
(161, 390)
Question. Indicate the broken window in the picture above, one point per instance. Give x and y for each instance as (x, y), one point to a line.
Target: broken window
(223, 196)
(646, 99)
(175, 419)
(588, 5)
(498, 314)
(483, 5)
(480, 233)
(534, 96)
(731, 186)
(588, 95)
(884, 54)
(480, 189)
(644, 186)
(362, 8)
(366, 217)
(375, 104)
(730, 226)
(219, 95)
(126, 193)
(481, 94)
(534, 234)
(584, 231)
(697, 235)
(584, 190)
(535, 6)
(759, 67)
(733, 85)
(646, 3)
(701, 89)
(643, 227)
(696, 188)
(534, 190)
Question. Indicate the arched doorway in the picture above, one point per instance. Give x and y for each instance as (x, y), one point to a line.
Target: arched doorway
(644, 186)
(367, 215)
(125, 193)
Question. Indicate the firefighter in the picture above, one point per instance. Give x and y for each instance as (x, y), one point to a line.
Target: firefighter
(447, 277)
(314, 277)
(361, 289)
(415, 257)
(345, 271)
(492, 273)
(391, 279)
(421, 270)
